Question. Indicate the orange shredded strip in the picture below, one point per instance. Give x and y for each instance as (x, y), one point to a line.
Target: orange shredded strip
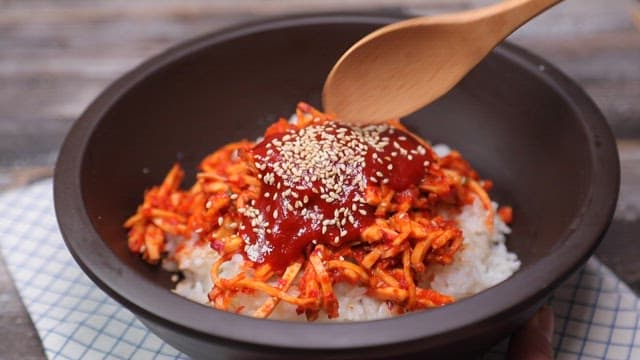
(372, 257)
(387, 278)
(272, 291)
(408, 278)
(486, 202)
(341, 264)
(286, 281)
(329, 301)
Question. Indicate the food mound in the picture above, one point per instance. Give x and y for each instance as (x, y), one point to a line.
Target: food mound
(320, 220)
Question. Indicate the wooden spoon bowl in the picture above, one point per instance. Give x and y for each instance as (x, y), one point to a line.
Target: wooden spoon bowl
(404, 66)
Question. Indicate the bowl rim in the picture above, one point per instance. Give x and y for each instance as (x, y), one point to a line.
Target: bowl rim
(152, 301)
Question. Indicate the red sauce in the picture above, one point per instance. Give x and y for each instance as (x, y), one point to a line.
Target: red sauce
(313, 184)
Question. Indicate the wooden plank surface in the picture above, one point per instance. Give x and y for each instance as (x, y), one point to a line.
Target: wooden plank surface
(56, 56)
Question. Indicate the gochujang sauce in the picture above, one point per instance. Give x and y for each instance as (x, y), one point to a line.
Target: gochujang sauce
(313, 186)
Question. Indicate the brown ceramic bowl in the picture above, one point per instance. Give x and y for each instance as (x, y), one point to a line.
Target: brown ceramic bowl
(516, 118)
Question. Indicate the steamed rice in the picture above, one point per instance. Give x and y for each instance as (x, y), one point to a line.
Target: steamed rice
(484, 261)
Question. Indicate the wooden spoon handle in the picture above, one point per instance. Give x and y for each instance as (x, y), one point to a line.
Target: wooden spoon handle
(491, 24)
(505, 17)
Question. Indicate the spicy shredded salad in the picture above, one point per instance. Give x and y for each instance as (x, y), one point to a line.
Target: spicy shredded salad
(315, 203)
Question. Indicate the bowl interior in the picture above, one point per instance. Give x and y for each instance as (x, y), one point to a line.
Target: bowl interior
(510, 125)
(516, 123)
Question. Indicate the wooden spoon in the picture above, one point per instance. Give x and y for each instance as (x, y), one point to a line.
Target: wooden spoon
(404, 66)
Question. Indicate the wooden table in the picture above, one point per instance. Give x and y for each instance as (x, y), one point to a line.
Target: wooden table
(56, 56)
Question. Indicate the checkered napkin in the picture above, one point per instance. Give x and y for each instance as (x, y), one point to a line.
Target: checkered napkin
(596, 315)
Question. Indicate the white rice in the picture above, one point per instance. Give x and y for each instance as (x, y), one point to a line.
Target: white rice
(484, 261)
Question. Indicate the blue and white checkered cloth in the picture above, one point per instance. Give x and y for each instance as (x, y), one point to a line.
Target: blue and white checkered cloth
(596, 314)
